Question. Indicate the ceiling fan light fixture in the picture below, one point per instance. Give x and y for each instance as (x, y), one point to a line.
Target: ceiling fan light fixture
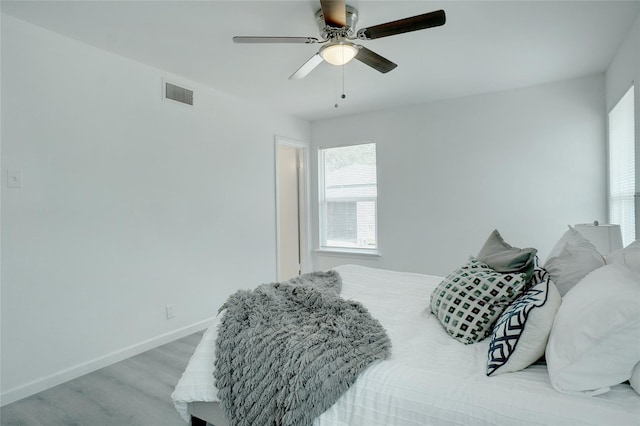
(339, 52)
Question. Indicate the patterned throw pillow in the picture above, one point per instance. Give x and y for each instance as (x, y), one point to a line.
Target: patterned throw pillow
(469, 300)
(520, 336)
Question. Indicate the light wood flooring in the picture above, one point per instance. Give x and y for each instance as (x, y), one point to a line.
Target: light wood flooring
(133, 392)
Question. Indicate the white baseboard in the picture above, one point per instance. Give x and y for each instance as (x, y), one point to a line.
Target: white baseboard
(76, 371)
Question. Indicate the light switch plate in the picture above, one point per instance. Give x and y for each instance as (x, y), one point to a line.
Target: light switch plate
(14, 178)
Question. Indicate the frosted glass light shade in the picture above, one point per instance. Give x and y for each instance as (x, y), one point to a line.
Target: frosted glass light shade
(338, 53)
(606, 238)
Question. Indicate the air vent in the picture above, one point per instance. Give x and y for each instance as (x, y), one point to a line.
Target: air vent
(178, 94)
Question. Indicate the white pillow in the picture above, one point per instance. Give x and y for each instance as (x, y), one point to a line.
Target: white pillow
(629, 256)
(572, 258)
(520, 335)
(595, 339)
(635, 378)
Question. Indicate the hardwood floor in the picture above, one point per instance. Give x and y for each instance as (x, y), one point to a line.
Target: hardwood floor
(133, 392)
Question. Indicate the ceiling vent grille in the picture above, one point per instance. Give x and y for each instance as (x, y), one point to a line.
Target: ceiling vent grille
(178, 94)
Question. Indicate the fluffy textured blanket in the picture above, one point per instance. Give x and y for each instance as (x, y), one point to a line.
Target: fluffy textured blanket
(285, 352)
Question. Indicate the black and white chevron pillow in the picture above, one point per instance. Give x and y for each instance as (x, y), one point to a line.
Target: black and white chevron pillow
(520, 335)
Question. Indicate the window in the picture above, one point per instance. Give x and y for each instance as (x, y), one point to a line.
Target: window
(348, 198)
(622, 173)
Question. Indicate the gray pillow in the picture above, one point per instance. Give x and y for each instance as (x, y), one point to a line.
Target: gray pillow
(502, 257)
(572, 259)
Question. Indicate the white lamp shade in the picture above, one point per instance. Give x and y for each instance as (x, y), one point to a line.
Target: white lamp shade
(606, 238)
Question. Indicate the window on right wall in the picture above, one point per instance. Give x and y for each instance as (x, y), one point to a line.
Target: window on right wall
(622, 174)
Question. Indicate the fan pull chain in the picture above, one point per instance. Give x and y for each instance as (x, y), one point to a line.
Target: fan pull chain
(343, 96)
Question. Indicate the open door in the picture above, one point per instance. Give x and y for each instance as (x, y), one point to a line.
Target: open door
(291, 208)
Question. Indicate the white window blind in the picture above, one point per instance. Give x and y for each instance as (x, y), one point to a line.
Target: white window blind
(348, 198)
(622, 175)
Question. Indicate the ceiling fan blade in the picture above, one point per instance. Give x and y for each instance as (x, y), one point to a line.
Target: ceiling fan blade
(419, 22)
(374, 60)
(259, 39)
(335, 12)
(307, 67)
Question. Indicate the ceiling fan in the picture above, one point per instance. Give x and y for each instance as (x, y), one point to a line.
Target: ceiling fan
(336, 21)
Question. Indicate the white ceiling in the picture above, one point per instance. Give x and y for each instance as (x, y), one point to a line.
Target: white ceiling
(485, 46)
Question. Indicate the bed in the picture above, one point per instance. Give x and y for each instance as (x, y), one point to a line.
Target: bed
(429, 378)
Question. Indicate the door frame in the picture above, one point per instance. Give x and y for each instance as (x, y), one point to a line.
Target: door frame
(304, 202)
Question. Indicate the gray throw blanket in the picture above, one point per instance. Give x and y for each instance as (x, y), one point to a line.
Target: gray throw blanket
(285, 352)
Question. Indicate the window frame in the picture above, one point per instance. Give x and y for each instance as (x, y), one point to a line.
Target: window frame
(322, 209)
(623, 196)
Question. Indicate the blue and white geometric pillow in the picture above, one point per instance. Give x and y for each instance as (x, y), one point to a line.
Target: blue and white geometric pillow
(520, 335)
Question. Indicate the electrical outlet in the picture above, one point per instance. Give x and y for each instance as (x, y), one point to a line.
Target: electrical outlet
(171, 311)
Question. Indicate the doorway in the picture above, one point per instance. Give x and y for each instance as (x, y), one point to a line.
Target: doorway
(292, 233)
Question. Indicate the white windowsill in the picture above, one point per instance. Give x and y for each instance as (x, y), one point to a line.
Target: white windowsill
(348, 252)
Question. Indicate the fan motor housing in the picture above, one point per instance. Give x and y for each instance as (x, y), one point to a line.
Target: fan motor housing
(329, 32)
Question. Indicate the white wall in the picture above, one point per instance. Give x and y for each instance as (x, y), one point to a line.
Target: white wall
(129, 203)
(527, 162)
(0, 204)
(623, 71)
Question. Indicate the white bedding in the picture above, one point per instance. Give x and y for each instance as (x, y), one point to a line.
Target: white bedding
(430, 378)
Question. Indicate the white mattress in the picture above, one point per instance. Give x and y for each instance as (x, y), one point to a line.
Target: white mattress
(430, 378)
